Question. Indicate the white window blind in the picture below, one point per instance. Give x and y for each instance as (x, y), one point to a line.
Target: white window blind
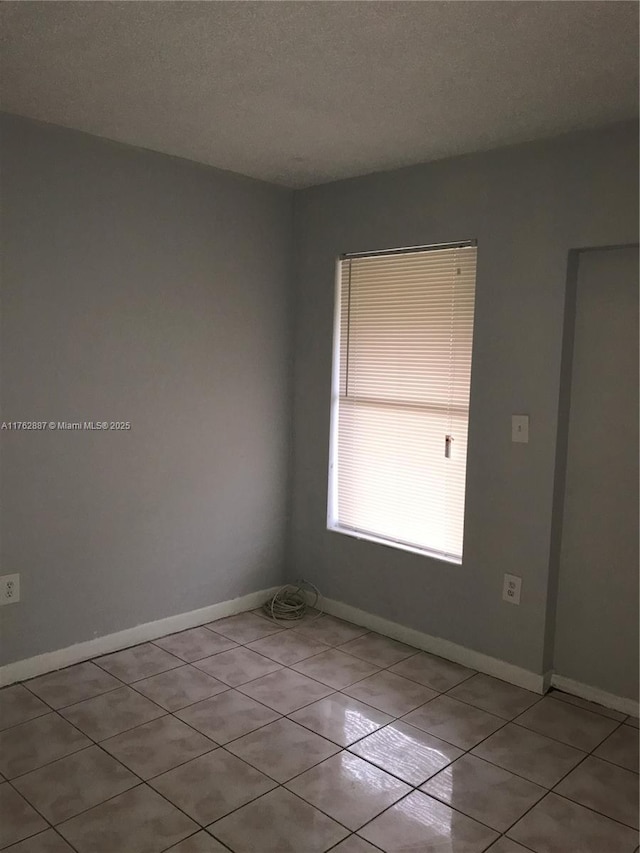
(404, 332)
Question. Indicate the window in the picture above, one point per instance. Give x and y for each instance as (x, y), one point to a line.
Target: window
(400, 402)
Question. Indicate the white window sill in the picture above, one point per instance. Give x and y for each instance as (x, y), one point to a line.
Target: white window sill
(401, 546)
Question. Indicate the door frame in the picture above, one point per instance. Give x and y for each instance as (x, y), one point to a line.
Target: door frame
(559, 487)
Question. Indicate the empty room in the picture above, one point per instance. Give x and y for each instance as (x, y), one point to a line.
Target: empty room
(319, 426)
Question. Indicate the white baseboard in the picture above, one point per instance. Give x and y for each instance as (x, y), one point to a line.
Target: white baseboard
(437, 646)
(50, 661)
(594, 694)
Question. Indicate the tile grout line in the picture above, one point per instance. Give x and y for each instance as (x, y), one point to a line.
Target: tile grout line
(557, 694)
(290, 666)
(563, 742)
(353, 835)
(29, 803)
(245, 644)
(141, 783)
(468, 751)
(340, 747)
(102, 802)
(293, 793)
(98, 744)
(193, 834)
(595, 811)
(72, 846)
(414, 788)
(145, 782)
(552, 789)
(454, 808)
(578, 708)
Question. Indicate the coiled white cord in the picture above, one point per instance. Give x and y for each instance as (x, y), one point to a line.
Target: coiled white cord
(293, 601)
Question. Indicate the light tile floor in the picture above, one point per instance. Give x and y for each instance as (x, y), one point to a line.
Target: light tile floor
(246, 736)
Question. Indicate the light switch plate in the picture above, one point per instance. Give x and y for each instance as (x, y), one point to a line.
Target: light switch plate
(520, 428)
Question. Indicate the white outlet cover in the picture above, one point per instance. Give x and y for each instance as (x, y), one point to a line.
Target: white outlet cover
(9, 589)
(511, 589)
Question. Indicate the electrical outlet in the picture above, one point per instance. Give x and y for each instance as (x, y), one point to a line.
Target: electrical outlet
(511, 589)
(9, 589)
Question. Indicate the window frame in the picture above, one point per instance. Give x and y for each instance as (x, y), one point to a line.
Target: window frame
(332, 524)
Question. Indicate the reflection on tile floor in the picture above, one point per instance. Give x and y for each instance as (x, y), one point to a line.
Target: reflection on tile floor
(246, 736)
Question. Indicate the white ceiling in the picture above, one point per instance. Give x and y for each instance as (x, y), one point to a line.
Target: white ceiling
(301, 93)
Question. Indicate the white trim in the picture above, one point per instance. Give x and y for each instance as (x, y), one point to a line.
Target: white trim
(50, 661)
(546, 680)
(437, 646)
(594, 694)
(334, 527)
(332, 492)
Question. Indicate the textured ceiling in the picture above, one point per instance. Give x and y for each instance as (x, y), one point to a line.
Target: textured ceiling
(301, 93)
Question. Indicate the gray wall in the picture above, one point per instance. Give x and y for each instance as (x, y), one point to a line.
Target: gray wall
(527, 206)
(143, 288)
(596, 640)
